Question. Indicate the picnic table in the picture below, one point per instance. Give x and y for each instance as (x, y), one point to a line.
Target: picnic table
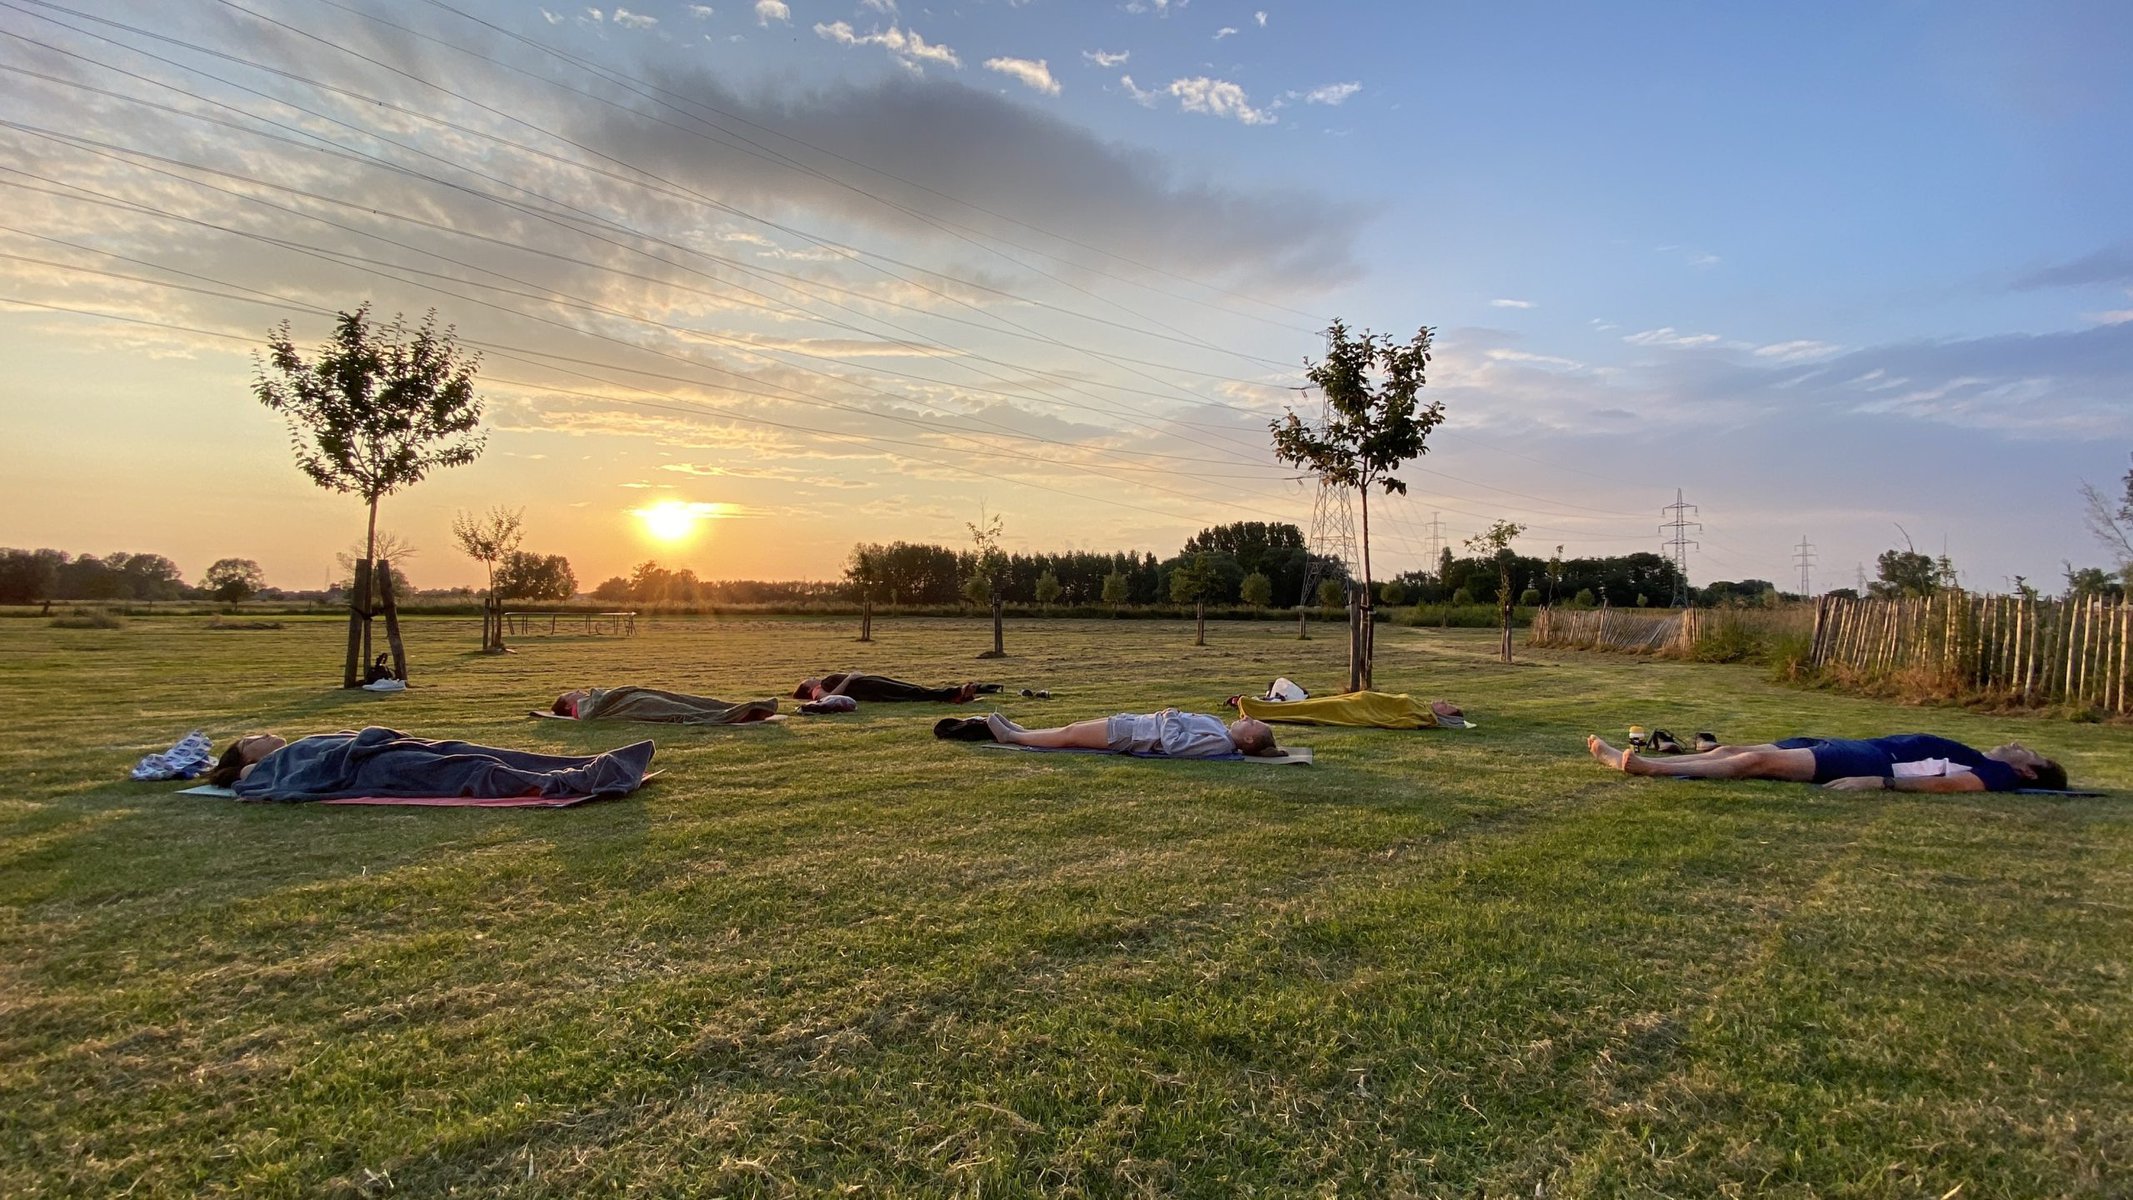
(621, 624)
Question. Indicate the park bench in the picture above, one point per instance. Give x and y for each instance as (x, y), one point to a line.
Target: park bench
(621, 624)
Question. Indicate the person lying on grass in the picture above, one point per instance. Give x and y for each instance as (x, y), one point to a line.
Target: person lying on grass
(1369, 710)
(1170, 733)
(651, 704)
(386, 762)
(1903, 762)
(880, 689)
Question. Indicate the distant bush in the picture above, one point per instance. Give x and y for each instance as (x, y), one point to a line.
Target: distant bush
(89, 619)
(223, 623)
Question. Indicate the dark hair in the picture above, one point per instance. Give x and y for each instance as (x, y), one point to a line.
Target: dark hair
(806, 690)
(562, 707)
(2049, 775)
(226, 769)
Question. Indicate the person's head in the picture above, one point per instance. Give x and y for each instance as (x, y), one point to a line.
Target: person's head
(2030, 765)
(566, 705)
(1255, 738)
(242, 753)
(809, 689)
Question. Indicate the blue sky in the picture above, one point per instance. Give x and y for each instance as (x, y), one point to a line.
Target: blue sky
(1848, 272)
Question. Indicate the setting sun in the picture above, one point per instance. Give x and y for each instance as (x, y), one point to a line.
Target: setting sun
(674, 520)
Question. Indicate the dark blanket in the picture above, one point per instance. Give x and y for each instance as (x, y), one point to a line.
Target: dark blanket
(384, 762)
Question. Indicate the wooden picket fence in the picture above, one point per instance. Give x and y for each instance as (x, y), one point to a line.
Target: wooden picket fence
(2020, 650)
(1634, 631)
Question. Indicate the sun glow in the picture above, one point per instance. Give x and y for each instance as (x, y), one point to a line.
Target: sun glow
(676, 520)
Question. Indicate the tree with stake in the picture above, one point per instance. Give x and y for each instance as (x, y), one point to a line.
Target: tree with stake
(488, 539)
(1189, 585)
(375, 411)
(988, 576)
(1257, 590)
(1375, 421)
(863, 570)
(1047, 591)
(1496, 544)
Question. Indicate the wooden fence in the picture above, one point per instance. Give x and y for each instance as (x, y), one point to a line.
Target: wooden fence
(2029, 651)
(1632, 630)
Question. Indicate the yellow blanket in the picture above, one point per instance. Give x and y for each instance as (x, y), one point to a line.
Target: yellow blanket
(1376, 710)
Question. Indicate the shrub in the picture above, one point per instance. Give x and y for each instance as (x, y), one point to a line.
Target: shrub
(89, 619)
(1530, 597)
(1584, 598)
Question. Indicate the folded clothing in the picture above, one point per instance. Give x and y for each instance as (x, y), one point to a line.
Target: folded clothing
(830, 704)
(189, 758)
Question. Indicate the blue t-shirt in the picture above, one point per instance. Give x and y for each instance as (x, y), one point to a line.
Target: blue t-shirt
(1918, 747)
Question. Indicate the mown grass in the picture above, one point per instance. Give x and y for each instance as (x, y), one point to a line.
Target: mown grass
(838, 957)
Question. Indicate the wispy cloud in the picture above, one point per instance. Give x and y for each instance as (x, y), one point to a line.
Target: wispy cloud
(1260, 19)
(910, 49)
(887, 7)
(1796, 351)
(1105, 58)
(1034, 73)
(1160, 8)
(1225, 31)
(767, 11)
(1218, 98)
(1141, 96)
(702, 12)
(1332, 93)
(1510, 304)
(630, 20)
(1668, 336)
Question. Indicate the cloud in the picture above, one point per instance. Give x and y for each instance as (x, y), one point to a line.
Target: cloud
(551, 18)
(1510, 304)
(886, 7)
(630, 20)
(767, 11)
(907, 48)
(1796, 351)
(702, 12)
(1225, 31)
(1037, 75)
(1217, 98)
(2110, 265)
(1668, 336)
(980, 147)
(1332, 93)
(1160, 8)
(1260, 18)
(1140, 96)
(1105, 58)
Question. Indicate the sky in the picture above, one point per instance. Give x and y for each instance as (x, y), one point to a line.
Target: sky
(792, 275)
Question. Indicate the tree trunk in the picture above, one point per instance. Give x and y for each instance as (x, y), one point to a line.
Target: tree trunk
(1199, 623)
(1369, 600)
(1303, 630)
(866, 620)
(999, 644)
(1355, 640)
(358, 623)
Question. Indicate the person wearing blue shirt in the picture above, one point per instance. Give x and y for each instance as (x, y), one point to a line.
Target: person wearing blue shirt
(1903, 762)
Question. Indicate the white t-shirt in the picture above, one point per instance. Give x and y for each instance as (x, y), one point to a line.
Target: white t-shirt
(1927, 768)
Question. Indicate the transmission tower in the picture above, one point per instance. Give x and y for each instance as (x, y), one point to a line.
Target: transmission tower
(1804, 554)
(1332, 540)
(1436, 542)
(1860, 570)
(1677, 544)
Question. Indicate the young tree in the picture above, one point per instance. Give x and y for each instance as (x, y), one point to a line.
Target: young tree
(375, 411)
(1374, 422)
(1047, 590)
(1394, 592)
(486, 539)
(988, 577)
(1189, 584)
(1330, 592)
(1115, 590)
(2111, 521)
(233, 580)
(1495, 543)
(863, 570)
(1257, 590)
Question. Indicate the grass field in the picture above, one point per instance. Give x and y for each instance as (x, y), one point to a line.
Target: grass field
(838, 957)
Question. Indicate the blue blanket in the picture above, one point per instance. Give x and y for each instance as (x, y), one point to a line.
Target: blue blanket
(384, 762)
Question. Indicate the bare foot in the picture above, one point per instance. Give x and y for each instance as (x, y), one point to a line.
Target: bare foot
(1618, 759)
(1003, 730)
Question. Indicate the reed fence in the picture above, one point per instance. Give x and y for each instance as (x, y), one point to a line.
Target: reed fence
(1629, 630)
(2027, 651)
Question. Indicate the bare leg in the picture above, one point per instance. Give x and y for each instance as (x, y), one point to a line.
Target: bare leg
(1081, 735)
(1746, 762)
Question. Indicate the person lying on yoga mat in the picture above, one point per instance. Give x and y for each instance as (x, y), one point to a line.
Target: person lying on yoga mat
(1372, 710)
(1903, 762)
(386, 762)
(880, 689)
(1170, 733)
(651, 704)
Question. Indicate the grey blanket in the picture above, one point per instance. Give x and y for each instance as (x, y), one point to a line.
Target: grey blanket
(673, 708)
(385, 762)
